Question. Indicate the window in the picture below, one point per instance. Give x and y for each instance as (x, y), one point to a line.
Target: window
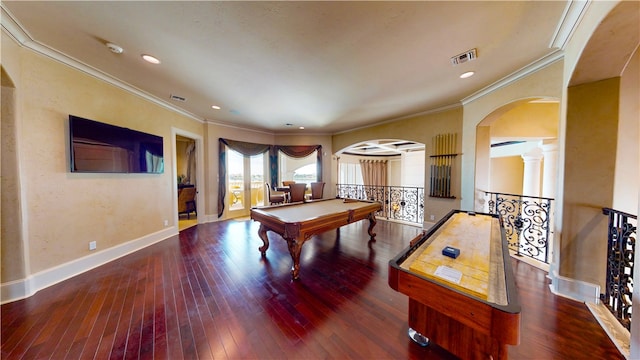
(350, 174)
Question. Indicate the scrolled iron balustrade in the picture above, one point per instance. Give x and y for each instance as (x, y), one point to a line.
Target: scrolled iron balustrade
(402, 203)
(527, 223)
(621, 241)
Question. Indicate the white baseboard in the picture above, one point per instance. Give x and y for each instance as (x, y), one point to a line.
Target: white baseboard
(574, 289)
(23, 288)
(618, 334)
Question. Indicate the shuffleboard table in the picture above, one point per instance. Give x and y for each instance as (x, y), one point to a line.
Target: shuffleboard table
(297, 222)
(461, 289)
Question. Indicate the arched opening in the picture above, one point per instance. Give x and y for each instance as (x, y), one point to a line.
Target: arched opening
(391, 171)
(516, 157)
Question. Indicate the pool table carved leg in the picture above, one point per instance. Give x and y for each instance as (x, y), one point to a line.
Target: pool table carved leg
(262, 232)
(372, 223)
(295, 247)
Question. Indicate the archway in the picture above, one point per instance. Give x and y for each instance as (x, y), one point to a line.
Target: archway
(391, 171)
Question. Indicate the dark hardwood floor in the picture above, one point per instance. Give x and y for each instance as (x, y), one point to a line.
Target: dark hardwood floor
(209, 294)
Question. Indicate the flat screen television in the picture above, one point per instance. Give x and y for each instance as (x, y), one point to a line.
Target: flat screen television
(96, 147)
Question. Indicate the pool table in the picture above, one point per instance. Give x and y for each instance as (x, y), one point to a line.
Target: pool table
(461, 288)
(297, 222)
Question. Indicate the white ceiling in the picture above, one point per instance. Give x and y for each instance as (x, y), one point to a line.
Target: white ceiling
(327, 66)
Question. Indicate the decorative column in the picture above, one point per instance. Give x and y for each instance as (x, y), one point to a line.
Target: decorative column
(531, 177)
(549, 168)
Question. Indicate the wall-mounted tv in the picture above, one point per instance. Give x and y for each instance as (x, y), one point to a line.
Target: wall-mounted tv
(97, 147)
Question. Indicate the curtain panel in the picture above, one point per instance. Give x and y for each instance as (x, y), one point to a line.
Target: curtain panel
(374, 177)
(299, 151)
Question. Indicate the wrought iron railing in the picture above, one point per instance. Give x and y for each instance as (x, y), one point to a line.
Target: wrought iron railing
(620, 254)
(402, 203)
(527, 223)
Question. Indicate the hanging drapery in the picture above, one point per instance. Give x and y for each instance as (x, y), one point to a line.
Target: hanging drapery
(251, 149)
(191, 162)
(300, 151)
(246, 149)
(374, 176)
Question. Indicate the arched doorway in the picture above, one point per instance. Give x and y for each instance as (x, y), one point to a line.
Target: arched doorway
(516, 157)
(391, 171)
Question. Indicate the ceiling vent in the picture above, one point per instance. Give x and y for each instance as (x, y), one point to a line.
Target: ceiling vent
(464, 57)
(178, 98)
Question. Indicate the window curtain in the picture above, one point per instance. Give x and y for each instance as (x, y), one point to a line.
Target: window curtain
(374, 177)
(300, 152)
(244, 148)
(191, 162)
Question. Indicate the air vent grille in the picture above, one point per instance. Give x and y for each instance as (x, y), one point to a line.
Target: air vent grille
(464, 57)
(178, 98)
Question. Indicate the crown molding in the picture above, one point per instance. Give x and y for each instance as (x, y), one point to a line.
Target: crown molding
(543, 62)
(571, 17)
(18, 33)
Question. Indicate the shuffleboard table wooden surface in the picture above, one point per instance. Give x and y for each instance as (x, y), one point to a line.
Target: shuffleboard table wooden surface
(297, 222)
(467, 304)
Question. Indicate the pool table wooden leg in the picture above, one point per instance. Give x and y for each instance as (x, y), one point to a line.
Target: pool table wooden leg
(262, 232)
(295, 247)
(372, 223)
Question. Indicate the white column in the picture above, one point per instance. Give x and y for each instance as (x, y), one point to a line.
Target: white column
(549, 168)
(531, 177)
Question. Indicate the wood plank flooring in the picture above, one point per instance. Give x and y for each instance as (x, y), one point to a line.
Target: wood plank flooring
(208, 293)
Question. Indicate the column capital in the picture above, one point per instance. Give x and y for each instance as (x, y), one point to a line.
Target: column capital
(534, 154)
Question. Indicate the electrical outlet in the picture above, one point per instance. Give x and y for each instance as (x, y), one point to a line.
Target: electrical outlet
(432, 217)
(92, 245)
(166, 223)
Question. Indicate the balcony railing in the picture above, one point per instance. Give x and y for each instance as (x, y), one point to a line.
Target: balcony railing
(401, 203)
(620, 254)
(527, 223)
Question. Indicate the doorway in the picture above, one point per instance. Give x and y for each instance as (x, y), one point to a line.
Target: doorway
(245, 178)
(188, 174)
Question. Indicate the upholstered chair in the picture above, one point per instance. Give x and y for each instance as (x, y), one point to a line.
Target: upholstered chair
(187, 201)
(297, 192)
(273, 196)
(317, 188)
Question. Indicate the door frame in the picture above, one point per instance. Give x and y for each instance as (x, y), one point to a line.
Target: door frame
(201, 186)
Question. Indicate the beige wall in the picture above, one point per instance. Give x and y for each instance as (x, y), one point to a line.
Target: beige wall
(506, 174)
(64, 211)
(625, 191)
(528, 120)
(421, 129)
(590, 155)
(544, 83)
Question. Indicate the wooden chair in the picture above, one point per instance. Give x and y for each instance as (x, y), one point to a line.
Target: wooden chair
(297, 192)
(287, 183)
(277, 198)
(187, 201)
(317, 188)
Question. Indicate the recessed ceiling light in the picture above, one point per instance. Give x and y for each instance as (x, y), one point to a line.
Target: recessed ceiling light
(216, 107)
(151, 59)
(467, 74)
(301, 128)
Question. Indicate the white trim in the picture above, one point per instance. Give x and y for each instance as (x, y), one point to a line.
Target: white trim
(541, 63)
(574, 289)
(618, 334)
(200, 182)
(571, 17)
(18, 32)
(21, 289)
